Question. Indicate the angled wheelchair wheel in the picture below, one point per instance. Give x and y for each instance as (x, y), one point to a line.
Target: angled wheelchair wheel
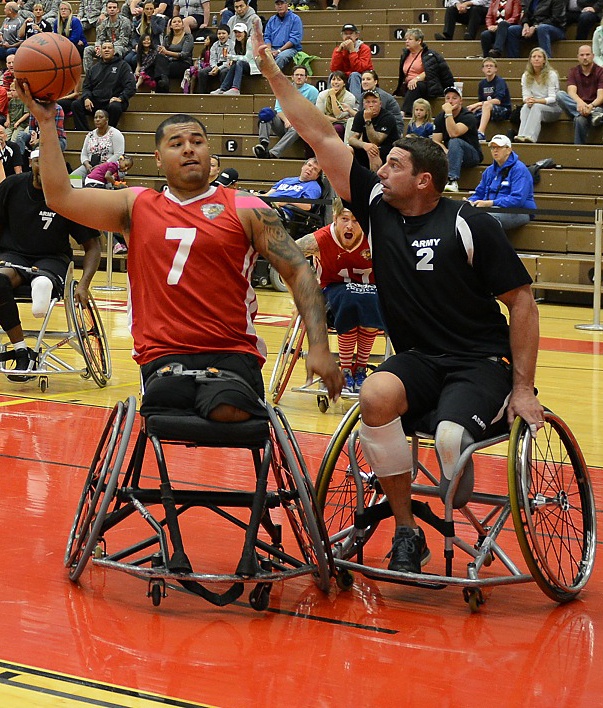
(345, 486)
(286, 360)
(553, 507)
(100, 487)
(91, 337)
(298, 499)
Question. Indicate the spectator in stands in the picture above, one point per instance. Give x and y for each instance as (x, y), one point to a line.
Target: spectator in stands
(423, 72)
(115, 29)
(345, 269)
(70, 26)
(199, 64)
(89, 13)
(228, 10)
(586, 14)
(243, 13)
(283, 33)
(35, 24)
(51, 9)
(228, 177)
(10, 30)
(456, 133)
(109, 84)
(219, 52)
(146, 56)
(507, 184)
(145, 23)
(4, 99)
(106, 174)
(276, 121)
(374, 131)
(194, 13)
(539, 87)
(175, 55)
(9, 73)
(370, 82)
(306, 186)
(103, 144)
(597, 45)
(18, 115)
(544, 21)
(583, 100)
(10, 155)
(66, 102)
(421, 123)
(214, 167)
(29, 139)
(494, 99)
(471, 13)
(353, 57)
(242, 63)
(337, 103)
(501, 15)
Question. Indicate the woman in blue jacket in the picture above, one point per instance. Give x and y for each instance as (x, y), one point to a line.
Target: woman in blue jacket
(507, 183)
(70, 26)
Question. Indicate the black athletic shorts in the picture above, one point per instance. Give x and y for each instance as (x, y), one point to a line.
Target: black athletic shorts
(55, 265)
(182, 395)
(470, 392)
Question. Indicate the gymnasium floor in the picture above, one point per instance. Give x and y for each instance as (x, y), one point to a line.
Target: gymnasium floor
(102, 643)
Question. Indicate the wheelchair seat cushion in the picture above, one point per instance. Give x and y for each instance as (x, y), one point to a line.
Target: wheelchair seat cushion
(208, 433)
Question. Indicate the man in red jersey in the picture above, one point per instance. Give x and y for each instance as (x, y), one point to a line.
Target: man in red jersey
(344, 267)
(192, 249)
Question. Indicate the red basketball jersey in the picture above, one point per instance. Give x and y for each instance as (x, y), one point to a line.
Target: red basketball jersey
(189, 271)
(336, 265)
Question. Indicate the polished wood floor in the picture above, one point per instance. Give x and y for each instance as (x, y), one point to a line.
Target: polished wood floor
(102, 643)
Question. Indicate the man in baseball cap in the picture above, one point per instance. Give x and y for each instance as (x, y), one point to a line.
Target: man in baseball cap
(229, 177)
(507, 183)
(283, 33)
(353, 57)
(373, 131)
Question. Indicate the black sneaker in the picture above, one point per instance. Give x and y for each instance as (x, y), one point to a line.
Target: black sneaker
(409, 550)
(22, 359)
(260, 151)
(442, 37)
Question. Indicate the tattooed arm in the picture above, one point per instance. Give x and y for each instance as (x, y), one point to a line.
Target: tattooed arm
(270, 239)
(308, 245)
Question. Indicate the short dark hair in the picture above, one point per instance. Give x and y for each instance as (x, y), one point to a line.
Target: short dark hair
(300, 66)
(175, 120)
(426, 156)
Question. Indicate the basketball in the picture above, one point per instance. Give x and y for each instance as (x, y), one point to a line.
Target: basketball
(50, 64)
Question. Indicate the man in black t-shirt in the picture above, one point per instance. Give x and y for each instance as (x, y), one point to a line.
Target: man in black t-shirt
(373, 132)
(10, 154)
(31, 234)
(439, 267)
(456, 133)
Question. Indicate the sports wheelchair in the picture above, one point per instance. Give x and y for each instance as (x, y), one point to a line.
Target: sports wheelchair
(291, 352)
(85, 334)
(548, 496)
(114, 505)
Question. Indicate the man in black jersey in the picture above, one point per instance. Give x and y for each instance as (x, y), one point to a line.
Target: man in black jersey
(439, 267)
(33, 235)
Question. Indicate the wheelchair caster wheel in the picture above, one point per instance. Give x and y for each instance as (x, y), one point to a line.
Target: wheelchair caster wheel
(259, 597)
(344, 580)
(474, 598)
(323, 403)
(99, 551)
(156, 592)
(86, 374)
(43, 383)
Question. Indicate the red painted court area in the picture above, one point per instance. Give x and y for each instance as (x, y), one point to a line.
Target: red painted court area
(376, 645)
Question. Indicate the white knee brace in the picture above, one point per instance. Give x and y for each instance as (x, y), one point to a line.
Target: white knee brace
(41, 292)
(386, 448)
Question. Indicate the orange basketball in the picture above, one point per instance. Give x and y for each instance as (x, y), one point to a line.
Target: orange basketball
(50, 64)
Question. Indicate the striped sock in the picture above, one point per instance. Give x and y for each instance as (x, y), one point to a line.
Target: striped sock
(347, 344)
(366, 337)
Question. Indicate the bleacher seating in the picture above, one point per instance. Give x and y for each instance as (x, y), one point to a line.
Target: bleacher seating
(557, 249)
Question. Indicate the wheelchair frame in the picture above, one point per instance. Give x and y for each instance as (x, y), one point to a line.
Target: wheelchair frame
(550, 500)
(289, 354)
(85, 334)
(111, 494)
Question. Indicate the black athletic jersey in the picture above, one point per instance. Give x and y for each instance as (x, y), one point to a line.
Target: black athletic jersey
(29, 227)
(385, 122)
(11, 157)
(437, 274)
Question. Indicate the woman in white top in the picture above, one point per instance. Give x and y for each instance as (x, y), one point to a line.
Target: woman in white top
(598, 44)
(103, 144)
(337, 103)
(539, 86)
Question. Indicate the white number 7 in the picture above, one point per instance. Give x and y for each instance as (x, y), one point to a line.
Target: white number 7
(186, 238)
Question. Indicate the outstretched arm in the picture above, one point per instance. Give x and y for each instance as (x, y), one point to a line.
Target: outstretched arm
(98, 208)
(311, 125)
(272, 241)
